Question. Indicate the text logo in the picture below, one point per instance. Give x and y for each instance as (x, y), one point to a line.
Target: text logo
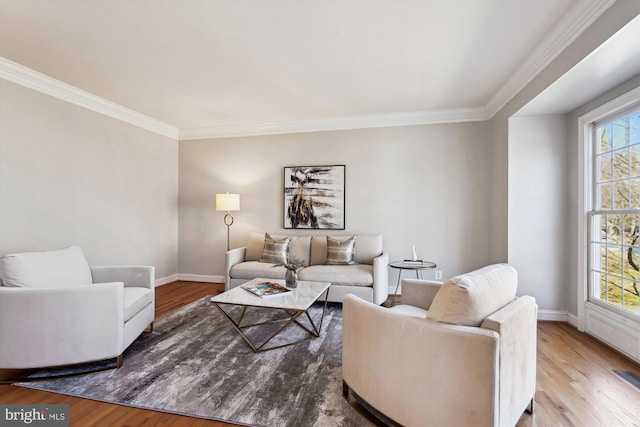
(34, 415)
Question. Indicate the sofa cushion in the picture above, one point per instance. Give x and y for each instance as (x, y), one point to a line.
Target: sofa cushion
(255, 245)
(275, 251)
(318, 250)
(469, 298)
(253, 269)
(49, 269)
(355, 275)
(299, 248)
(135, 299)
(340, 252)
(367, 248)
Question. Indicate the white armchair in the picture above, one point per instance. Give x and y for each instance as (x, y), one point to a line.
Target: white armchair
(462, 353)
(56, 310)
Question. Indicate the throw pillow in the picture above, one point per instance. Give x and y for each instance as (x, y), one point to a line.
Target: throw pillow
(275, 251)
(340, 251)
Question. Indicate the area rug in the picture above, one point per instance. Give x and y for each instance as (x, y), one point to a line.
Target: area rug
(195, 363)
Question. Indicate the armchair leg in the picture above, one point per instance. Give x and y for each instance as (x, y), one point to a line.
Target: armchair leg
(345, 389)
(119, 362)
(149, 328)
(530, 407)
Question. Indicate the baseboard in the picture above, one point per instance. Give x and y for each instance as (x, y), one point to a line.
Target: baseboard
(573, 320)
(553, 315)
(168, 279)
(200, 278)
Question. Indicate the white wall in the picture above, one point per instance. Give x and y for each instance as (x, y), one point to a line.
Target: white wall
(421, 185)
(538, 208)
(70, 176)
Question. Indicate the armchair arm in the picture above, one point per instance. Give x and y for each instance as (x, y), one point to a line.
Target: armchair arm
(231, 258)
(417, 371)
(60, 326)
(419, 293)
(517, 325)
(380, 278)
(131, 275)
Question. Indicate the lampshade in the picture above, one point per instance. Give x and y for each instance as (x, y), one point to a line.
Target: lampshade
(227, 202)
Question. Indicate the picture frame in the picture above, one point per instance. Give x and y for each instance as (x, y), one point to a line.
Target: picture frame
(314, 197)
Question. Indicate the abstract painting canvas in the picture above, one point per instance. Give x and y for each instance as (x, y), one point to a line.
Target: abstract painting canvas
(314, 197)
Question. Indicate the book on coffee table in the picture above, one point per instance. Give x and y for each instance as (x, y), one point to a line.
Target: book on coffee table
(265, 289)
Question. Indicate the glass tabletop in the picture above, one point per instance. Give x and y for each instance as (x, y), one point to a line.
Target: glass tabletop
(413, 265)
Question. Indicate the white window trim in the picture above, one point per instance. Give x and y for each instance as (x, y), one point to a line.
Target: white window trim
(585, 148)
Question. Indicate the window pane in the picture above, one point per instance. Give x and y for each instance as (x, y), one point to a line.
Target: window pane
(621, 164)
(635, 193)
(620, 132)
(635, 127)
(621, 195)
(630, 229)
(631, 300)
(605, 167)
(634, 160)
(605, 137)
(614, 291)
(605, 196)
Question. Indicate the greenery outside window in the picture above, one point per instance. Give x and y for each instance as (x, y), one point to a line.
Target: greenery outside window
(615, 216)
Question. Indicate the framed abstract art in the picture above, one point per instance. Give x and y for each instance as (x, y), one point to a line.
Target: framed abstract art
(314, 197)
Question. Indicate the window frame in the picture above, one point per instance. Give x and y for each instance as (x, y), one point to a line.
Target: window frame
(607, 114)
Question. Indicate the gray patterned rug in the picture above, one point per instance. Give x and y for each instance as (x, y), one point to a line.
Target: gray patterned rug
(195, 363)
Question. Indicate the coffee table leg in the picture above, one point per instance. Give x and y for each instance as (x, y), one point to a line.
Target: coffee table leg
(293, 319)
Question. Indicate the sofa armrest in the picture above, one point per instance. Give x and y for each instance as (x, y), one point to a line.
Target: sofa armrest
(419, 293)
(380, 278)
(435, 366)
(131, 275)
(231, 258)
(60, 326)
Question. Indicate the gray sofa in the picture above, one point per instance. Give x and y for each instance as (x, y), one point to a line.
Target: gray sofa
(367, 278)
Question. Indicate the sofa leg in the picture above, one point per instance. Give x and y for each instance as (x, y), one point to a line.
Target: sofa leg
(345, 389)
(119, 362)
(530, 407)
(149, 328)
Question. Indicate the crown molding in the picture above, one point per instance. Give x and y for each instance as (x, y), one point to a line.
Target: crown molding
(565, 32)
(32, 79)
(339, 123)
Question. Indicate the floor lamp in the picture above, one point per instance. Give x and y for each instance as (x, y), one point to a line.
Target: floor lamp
(228, 202)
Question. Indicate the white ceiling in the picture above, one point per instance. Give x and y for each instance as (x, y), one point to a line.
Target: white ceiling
(203, 64)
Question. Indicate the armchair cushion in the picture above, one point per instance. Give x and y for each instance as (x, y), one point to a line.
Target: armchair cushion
(469, 298)
(50, 269)
(135, 299)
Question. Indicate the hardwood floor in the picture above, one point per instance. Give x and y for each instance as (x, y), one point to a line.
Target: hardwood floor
(576, 385)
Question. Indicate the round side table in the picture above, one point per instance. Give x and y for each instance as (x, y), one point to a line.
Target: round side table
(417, 266)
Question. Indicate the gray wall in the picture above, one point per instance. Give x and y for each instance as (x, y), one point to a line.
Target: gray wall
(538, 208)
(70, 176)
(420, 185)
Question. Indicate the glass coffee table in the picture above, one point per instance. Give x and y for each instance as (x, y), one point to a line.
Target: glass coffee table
(294, 304)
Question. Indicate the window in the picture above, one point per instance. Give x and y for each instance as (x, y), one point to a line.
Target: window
(614, 236)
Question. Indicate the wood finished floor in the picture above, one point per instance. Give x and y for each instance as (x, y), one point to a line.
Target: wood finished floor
(576, 385)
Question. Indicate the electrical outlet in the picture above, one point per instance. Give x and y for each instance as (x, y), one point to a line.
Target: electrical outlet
(438, 274)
